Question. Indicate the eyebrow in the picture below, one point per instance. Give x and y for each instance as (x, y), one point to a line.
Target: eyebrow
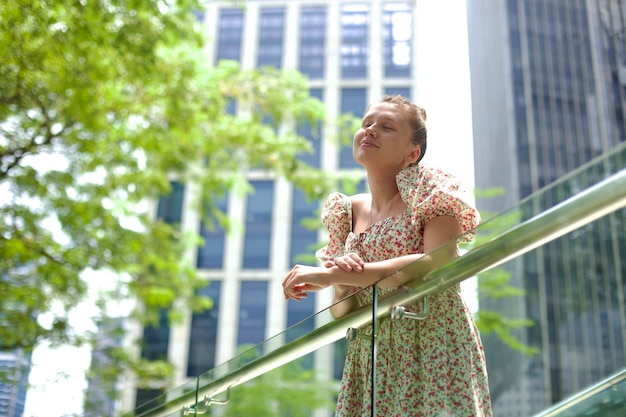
(383, 116)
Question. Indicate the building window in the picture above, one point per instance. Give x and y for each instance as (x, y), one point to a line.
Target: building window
(302, 238)
(354, 40)
(312, 41)
(397, 38)
(252, 312)
(211, 254)
(170, 206)
(156, 339)
(353, 100)
(257, 239)
(403, 91)
(301, 313)
(203, 334)
(313, 134)
(271, 28)
(147, 399)
(229, 34)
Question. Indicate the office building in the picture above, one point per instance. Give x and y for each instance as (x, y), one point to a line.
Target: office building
(549, 95)
(15, 366)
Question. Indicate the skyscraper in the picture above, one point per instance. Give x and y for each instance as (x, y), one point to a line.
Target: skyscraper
(16, 366)
(353, 53)
(549, 95)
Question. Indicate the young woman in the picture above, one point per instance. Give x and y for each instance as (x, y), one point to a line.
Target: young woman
(432, 367)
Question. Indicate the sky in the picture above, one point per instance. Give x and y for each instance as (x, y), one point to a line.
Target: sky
(443, 89)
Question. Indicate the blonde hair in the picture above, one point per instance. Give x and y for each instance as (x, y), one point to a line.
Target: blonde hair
(416, 116)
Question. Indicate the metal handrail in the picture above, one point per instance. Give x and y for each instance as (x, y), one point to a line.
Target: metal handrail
(584, 395)
(581, 209)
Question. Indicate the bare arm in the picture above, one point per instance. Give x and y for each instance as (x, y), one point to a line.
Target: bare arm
(437, 232)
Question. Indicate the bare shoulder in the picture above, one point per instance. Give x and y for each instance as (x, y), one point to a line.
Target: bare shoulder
(360, 202)
(360, 199)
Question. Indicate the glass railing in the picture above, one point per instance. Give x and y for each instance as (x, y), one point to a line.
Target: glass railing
(606, 398)
(561, 246)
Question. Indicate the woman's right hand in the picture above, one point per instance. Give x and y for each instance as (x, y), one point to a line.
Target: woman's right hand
(350, 262)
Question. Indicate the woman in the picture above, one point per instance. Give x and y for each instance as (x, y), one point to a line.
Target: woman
(431, 367)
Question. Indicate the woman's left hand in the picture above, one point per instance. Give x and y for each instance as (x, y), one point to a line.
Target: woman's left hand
(302, 279)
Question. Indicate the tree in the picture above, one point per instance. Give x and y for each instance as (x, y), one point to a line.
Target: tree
(102, 103)
(290, 390)
(501, 327)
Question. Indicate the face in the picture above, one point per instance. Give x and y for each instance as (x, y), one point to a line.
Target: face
(384, 139)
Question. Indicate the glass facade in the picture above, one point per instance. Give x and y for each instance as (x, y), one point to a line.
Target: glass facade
(313, 134)
(230, 34)
(353, 101)
(170, 207)
(355, 50)
(405, 91)
(567, 103)
(211, 254)
(252, 312)
(303, 239)
(312, 41)
(271, 29)
(397, 39)
(203, 335)
(15, 370)
(258, 232)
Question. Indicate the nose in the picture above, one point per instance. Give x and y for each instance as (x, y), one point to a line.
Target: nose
(370, 130)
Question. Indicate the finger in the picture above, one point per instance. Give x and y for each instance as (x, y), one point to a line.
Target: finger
(344, 264)
(356, 258)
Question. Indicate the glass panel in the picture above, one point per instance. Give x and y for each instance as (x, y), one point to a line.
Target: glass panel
(353, 101)
(312, 41)
(397, 39)
(258, 232)
(171, 205)
(271, 27)
(303, 239)
(563, 332)
(252, 312)
(309, 369)
(354, 47)
(313, 134)
(156, 338)
(230, 34)
(607, 398)
(552, 320)
(160, 399)
(403, 91)
(211, 254)
(203, 333)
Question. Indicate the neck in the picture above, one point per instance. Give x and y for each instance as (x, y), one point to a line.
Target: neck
(381, 209)
(383, 189)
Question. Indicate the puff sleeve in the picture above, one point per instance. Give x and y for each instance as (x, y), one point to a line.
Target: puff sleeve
(430, 192)
(337, 218)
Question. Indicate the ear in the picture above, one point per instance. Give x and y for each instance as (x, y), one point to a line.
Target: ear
(414, 155)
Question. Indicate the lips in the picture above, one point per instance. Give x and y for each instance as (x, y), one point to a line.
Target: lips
(368, 143)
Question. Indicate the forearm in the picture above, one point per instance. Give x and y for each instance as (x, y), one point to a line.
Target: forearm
(344, 301)
(372, 272)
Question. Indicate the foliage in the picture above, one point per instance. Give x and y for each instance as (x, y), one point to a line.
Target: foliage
(495, 283)
(102, 104)
(291, 390)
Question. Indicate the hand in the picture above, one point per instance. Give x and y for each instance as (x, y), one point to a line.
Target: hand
(302, 279)
(349, 262)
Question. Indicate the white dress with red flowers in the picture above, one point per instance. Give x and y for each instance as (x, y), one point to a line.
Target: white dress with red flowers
(433, 367)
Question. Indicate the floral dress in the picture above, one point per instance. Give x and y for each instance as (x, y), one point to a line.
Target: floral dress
(433, 367)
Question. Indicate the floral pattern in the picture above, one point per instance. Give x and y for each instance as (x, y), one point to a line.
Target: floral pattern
(433, 367)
